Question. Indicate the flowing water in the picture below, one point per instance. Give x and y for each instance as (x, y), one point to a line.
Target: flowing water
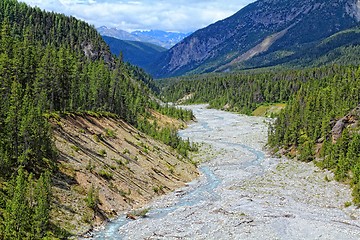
(244, 193)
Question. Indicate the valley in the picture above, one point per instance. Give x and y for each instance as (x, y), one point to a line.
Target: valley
(91, 144)
(243, 192)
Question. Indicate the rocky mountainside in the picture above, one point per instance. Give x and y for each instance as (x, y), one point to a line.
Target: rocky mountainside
(157, 37)
(273, 29)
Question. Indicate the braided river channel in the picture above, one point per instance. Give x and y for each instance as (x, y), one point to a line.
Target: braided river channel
(244, 192)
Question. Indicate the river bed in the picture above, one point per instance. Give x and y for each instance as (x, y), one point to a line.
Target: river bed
(243, 192)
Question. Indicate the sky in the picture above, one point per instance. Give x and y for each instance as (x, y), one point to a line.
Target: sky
(167, 15)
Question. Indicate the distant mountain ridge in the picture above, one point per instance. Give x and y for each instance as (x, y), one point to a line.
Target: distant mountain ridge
(135, 52)
(271, 32)
(157, 37)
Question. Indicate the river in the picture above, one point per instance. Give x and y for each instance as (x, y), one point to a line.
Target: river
(243, 192)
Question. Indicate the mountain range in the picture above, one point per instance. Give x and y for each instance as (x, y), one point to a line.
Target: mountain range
(268, 33)
(157, 37)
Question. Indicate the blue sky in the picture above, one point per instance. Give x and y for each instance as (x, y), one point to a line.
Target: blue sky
(167, 15)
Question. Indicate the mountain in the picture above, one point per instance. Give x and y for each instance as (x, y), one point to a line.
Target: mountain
(277, 30)
(117, 33)
(157, 37)
(161, 38)
(134, 52)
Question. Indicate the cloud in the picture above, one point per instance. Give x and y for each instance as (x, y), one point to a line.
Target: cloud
(168, 15)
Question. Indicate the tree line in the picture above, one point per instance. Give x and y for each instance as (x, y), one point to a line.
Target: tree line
(243, 91)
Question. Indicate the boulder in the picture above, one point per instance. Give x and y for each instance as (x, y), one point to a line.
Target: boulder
(349, 120)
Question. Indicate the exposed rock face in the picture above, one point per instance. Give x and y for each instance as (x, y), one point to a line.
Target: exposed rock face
(96, 54)
(266, 25)
(350, 119)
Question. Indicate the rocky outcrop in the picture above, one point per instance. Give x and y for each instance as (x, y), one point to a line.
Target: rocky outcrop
(349, 120)
(98, 53)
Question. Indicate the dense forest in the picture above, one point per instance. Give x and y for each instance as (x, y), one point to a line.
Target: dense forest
(51, 64)
(244, 91)
(316, 100)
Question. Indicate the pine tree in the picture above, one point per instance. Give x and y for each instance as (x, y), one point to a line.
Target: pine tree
(12, 125)
(92, 199)
(41, 214)
(17, 214)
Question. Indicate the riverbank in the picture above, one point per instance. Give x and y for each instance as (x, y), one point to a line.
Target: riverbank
(244, 193)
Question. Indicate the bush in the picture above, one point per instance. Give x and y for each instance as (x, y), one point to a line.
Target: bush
(96, 138)
(102, 152)
(105, 174)
(75, 148)
(92, 198)
(356, 194)
(110, 133)
(141, 212)
(158, 189)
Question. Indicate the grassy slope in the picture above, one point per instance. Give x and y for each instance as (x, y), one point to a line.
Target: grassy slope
(268, 110)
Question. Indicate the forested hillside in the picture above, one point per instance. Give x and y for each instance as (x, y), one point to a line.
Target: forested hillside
(53, 29)
(242, 92)
(51, 65)
(342, 48)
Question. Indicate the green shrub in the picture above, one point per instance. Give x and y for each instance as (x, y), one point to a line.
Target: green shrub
(75, 148)
(92, 197)
(96, 138)
(105, 174)
(347, 204)
(141, 212)
(158, 189)
(102, 152)
(90, 166)
(110, 133)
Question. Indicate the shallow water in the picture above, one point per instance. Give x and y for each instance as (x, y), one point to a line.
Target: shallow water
(243, 193)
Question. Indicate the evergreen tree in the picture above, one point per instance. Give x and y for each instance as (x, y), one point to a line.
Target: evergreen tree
(17, 215)
(41, 214)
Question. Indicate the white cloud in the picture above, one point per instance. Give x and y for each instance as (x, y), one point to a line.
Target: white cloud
(169, 15)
